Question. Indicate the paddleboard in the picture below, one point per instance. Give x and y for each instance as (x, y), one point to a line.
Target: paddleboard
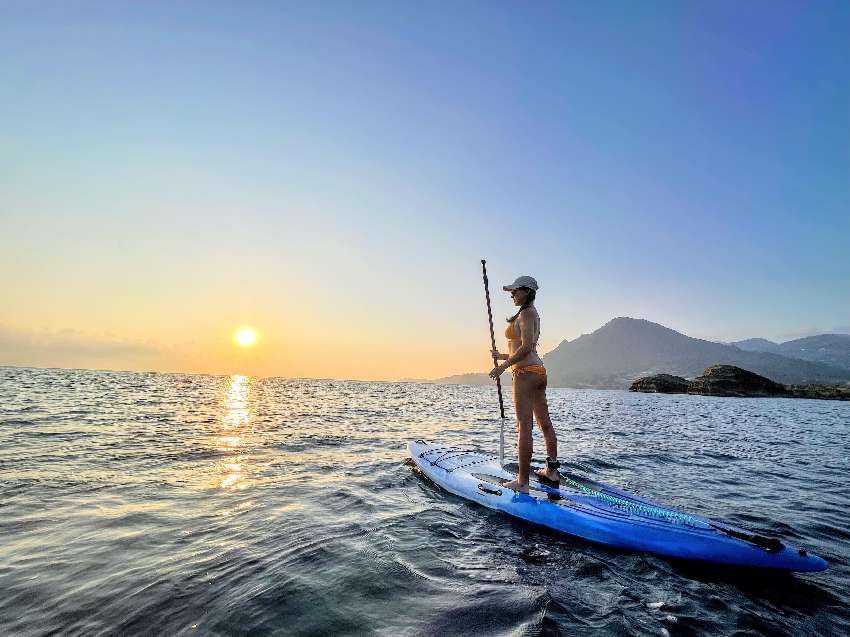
(605, 514)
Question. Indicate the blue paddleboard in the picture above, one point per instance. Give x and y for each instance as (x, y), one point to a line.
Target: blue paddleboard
(601, 513)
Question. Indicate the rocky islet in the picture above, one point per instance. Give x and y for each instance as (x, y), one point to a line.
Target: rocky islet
(729, 380)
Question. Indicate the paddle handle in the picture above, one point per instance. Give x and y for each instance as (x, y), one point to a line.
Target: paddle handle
(492, 335)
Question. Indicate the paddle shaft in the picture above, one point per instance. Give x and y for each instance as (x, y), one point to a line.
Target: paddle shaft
(492, 336)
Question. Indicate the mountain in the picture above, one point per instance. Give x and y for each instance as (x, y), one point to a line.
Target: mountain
(757, 345)
(832, 349)
(625, 348)
(472, 378)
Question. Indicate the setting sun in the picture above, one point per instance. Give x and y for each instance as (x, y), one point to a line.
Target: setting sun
(245, 336)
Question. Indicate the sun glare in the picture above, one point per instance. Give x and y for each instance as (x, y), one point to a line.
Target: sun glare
(245, 336)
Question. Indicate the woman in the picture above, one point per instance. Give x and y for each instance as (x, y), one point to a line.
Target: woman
(529, 383)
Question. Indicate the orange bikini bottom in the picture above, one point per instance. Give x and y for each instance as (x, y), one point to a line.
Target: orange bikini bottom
(530, 369)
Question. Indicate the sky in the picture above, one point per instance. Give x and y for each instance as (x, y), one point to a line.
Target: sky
(332, 173)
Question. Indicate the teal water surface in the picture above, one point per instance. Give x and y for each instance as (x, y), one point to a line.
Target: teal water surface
(167, 504)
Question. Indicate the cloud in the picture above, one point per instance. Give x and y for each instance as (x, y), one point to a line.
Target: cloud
(74, 348)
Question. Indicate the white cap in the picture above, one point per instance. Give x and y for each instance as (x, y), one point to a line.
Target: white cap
(522, 282)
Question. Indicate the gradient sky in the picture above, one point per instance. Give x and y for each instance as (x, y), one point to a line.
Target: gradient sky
(332, 174)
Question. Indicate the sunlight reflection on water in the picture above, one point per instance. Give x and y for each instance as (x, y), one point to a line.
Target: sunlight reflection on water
(235, 421)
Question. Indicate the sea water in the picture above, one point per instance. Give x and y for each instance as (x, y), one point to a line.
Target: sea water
(170, 504)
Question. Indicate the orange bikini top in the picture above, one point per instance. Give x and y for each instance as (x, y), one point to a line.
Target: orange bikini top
(512, 332)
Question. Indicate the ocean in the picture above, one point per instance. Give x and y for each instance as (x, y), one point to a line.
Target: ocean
(175, 504)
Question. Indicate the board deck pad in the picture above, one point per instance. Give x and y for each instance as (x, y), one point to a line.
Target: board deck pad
(513, 467)
(546, 496)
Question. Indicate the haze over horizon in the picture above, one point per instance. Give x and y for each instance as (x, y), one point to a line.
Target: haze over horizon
(331, 176)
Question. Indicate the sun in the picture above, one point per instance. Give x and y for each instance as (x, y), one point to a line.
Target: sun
(245, 336)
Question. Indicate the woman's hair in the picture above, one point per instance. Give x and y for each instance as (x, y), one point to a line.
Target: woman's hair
(528, 301)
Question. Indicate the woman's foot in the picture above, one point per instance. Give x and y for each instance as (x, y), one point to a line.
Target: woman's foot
(547, 474)
(516, 485)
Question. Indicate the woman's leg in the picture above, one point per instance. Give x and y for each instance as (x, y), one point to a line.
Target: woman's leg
(523, 387)
(541, 415)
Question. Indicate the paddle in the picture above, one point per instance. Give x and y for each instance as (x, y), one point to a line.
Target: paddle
(495, 363)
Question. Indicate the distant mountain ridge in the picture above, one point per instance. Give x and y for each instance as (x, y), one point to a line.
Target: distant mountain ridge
(625, 349)
(472, 378)
(831, 349)
(757, 345)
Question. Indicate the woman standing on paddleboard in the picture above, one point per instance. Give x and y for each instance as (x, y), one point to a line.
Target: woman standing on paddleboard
(529, 383)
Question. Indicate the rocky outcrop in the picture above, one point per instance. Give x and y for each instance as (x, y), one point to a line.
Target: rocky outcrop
(822, 392)
(661, 384)
(728, 380)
